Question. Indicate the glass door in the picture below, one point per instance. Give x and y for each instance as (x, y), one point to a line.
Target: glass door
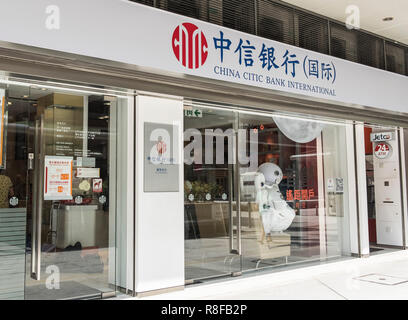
(58, 190)
(294, 199)
(14, 205)
(211, 209)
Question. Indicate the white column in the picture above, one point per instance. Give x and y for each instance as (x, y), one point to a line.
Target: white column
(362, 189)
(159, 216)
(124, 137)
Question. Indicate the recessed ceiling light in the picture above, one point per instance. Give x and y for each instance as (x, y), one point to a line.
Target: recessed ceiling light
(388, 18)
(25, 96)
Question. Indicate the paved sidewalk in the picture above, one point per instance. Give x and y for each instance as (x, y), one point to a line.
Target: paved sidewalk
(385, 277)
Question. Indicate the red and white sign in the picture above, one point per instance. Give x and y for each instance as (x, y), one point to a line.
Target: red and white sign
(382, 150)
(97, 185)
(58, 178)
(190, 45)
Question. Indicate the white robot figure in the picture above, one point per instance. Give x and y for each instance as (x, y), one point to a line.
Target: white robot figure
(263, 187)
(276, 214)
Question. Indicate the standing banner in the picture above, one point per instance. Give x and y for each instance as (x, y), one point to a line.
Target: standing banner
(58, 178)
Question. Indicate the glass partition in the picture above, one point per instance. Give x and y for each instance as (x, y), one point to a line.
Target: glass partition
(58, 189)
(276, 195)
(209, 190)
(295, 200)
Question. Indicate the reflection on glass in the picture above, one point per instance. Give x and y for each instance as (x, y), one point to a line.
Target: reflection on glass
(293, 192)
(74, 227)
(293, 211)
(208, 188)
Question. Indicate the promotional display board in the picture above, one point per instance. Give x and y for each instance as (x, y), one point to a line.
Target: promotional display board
(58, 178)
(161, 170)
(162, 41)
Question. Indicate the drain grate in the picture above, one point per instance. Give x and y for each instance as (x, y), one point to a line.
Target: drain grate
(382, 279)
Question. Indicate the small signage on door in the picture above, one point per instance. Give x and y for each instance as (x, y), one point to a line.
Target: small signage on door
(97, 185)
(87, 172)
(58, 178)
(193, 113)
(330, 185)
(382, 150)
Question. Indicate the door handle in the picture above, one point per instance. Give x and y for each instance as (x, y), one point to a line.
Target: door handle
(38, 188)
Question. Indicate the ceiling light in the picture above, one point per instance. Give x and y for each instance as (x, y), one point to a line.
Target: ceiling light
(388, 19)
(25, 96)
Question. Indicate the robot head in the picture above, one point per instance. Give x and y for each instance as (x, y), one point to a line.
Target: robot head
(272, 173)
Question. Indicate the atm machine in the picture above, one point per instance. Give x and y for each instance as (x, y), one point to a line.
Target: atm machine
(387, 187)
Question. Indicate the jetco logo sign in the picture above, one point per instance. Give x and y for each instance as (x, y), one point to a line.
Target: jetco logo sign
(190, 45)
(381, 136)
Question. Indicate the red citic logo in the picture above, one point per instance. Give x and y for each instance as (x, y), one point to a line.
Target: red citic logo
(190, 45)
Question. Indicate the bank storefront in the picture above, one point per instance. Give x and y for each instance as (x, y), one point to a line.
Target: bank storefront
(184, 152)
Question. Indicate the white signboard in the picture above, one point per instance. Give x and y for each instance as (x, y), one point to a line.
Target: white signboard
(170, 42)
(58, 178)
(381, 136)
(161, 168)
(87, 172)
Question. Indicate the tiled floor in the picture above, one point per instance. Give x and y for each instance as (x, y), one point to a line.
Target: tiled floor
(336, 280)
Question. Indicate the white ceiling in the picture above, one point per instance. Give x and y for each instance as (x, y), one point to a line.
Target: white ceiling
(371, 14)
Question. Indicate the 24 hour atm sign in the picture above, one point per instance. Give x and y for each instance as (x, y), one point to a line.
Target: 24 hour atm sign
(246, 59)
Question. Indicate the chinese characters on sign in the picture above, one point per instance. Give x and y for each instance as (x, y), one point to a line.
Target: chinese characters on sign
(300, 195)
(270, 59)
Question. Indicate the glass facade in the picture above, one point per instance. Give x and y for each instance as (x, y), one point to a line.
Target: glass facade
(263, 190)
(58, 192)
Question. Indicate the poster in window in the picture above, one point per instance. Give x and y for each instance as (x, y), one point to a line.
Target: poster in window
(58, 178)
